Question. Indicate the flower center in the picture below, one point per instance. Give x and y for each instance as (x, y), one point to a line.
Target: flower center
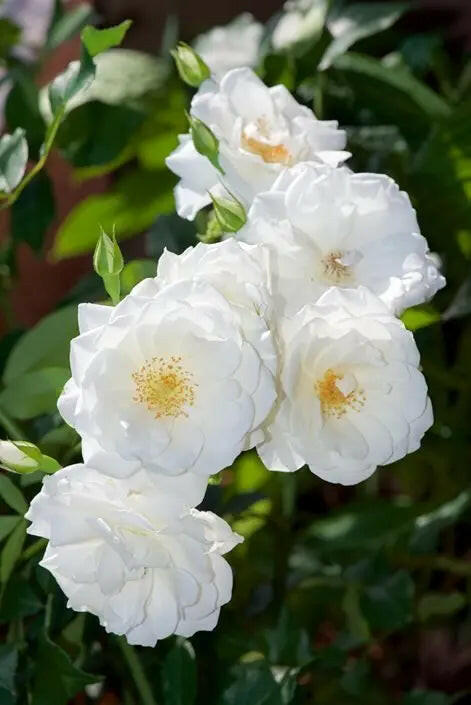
(270, 153)
(336, 267)
(165, 387)
(338, 393)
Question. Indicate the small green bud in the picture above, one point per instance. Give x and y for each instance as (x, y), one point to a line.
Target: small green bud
(230, 213)
(190, 65)
(108, 263)
(205, 141)
(24, 458)
(212, 229)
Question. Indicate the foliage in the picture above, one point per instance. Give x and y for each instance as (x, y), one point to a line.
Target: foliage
(342, 595)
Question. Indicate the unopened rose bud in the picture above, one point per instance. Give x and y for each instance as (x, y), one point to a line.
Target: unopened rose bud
(205, 141)
(190, 65)
(230, 213)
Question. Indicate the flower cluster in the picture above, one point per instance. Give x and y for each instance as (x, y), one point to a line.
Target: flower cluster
(283, 338)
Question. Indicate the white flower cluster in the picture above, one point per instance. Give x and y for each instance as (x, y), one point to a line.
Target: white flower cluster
(283, 338)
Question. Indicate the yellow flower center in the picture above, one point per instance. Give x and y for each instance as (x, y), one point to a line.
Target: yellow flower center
(165, 387)
(334, 269)
(270, 153)
(338, 394)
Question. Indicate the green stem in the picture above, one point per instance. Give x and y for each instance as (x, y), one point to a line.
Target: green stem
(14, 431)
(138, 674)
(45, 150)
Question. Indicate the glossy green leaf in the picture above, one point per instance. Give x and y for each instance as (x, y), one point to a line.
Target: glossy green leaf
(10, 494)
(137, 199)
(354, 22)
(11, 550)
(56, 678)
(98, 40)
(76, 79)
(420, 317)
(7, 524)
(45, 345)
(34, 393)
(135, 271)
(179, 674)
(388, 604)
(253, 684)
(13, 160)
(33, 212)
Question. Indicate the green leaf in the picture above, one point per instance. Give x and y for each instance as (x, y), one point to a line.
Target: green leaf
(7, 524)
(135, 271)
(137, 199)
(420, 317)
(179, 674)
(45, 345)
(388, 604)
(77, 77)
(11, 495)
(56, 678)
(253, 685)
(34, 393)
(428, 526)
(33, 212)
(355, 22)
(13, 160)
(108, 264)
(19, 600)
(69, 24)
(123, 77)
(287, 644)
(436, 604)
(98, 40)
(412, 103)
(8, 666)
(12, 551)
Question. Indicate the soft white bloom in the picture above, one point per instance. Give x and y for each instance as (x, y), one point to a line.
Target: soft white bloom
(331, 227)
(173, 378)
(351, 394)
(229, 47)
(261, 132)
(132, 553)
(302, 20)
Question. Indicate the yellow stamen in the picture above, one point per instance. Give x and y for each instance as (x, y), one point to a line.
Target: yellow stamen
(165, 387)
(333, 401)
(270, 153)
(333, 268)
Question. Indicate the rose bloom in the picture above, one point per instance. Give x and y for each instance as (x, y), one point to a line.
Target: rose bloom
(133, 553)
(351, 395)
(173, 378)
(301, 21)
(229, 47)
(330, 227)
(261, 132)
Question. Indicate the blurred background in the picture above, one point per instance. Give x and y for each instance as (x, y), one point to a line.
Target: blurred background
(342, 595)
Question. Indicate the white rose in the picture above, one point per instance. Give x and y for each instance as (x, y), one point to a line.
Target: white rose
(132, 553)
(331, 227)
(261, 132)
(302, 20)
(171, 379)
(351, 395)
(229, 47)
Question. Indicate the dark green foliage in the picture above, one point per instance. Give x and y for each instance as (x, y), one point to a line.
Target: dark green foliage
(342, 596)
